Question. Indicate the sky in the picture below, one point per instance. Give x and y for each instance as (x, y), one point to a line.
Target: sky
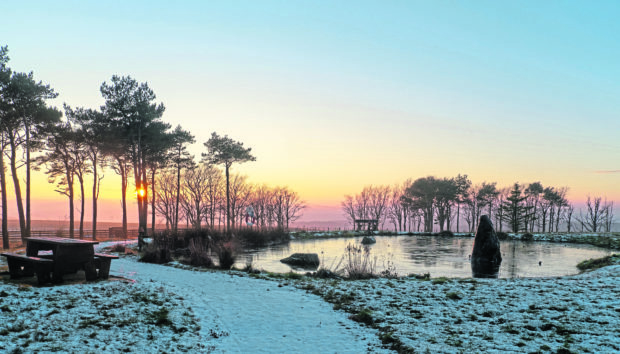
(335, 95)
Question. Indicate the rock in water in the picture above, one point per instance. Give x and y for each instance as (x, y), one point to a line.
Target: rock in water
(368, 240)
(485, 257)
(305, 260)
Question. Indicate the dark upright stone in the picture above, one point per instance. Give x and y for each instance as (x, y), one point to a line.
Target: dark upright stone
(485, 257)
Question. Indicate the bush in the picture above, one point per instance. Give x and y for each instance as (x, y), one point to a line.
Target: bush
(446, 233)
(156, 253)
(502, 235)
(357, 262)
(527, 237)
(118, 247)
(259, 238)
(226, 254)
(199, 253)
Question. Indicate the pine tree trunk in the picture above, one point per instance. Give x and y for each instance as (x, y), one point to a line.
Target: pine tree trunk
(83, 202)
(18, 191)
(28, 222)
(145, 199)
(123, 171)
(227, 201)
(95, 196)
(5, 228)
(71, 206)
(153, 202)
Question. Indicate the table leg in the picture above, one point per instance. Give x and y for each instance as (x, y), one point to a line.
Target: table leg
(90, 270)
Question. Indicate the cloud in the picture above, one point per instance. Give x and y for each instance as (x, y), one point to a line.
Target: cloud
(607, 171)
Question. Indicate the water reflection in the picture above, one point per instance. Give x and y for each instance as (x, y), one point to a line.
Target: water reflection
(439, 256)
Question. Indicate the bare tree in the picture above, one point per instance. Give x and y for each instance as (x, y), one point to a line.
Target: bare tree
(504, 193)
(361, 204)
(195, 193)
(214, 194)
(348, 208)
(595, 214)
(396, 208)
(568, 216)
(609, 215)
(262, 200)
(292, 206)
(166, 197)
(378, 202)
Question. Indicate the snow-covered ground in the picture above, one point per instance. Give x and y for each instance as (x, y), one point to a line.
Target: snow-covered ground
(578, 313)
(156, 308)
(206, 312)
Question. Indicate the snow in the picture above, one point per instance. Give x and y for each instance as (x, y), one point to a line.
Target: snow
(231, 312)
(580, 313)
(209, 312)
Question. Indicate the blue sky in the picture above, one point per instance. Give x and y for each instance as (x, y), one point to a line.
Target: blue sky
(503, 91)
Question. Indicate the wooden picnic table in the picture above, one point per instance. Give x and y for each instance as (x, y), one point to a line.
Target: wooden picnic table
(69, 255)
(63, 256)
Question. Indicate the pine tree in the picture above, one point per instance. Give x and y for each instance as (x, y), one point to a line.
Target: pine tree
(515, 211)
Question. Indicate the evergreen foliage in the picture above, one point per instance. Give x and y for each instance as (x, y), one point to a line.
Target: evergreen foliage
(515, 211)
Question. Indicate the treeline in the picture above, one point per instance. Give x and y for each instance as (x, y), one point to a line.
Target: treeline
(126, 134)
(202, 200)
(432, 203)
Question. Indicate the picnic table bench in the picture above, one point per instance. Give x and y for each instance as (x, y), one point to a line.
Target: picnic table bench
(67, 256)
(102, 264)
(25, 266)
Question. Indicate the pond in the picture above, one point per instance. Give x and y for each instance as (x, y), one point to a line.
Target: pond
(439, 256)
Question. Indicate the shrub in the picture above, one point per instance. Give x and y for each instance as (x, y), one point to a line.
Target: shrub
(502, 235)
(156, 253)
(199, 253)
(226, 254)
(389, 270)
(258, 238)
(357, 262)
(527, 237)
(446, 233)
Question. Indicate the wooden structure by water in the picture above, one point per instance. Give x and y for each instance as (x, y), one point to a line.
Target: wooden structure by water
(366, 224)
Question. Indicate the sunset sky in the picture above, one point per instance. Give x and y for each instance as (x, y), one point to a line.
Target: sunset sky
(335, 95)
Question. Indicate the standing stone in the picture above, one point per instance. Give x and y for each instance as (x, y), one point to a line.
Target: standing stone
(485, 257)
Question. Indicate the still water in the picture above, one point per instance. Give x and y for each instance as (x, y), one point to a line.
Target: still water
(438, 256)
